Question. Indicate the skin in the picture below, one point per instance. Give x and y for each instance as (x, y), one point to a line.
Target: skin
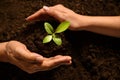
(17, 54)
(106, 25)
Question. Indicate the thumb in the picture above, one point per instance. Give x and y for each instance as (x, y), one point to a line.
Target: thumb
(50, 11)
(24, 54)
(54, 12)
(59, 60)
(46, 8)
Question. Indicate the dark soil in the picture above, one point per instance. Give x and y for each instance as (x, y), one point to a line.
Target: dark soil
(95, 57)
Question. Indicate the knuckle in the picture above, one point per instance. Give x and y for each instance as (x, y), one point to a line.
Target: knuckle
(60, 5)
(11, 42)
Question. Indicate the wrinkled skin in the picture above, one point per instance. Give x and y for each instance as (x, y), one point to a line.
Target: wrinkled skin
(17, 54)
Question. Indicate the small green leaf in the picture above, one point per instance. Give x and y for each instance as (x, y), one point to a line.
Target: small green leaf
(58, 41)
(47, 39)
(62, 27)
(48, 27)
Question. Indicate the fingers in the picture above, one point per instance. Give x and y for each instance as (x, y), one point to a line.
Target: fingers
(46, 12)
(54, 12)
(56, 61)
(25, 55)
(19, 51)
(33, 62)
(60, 60)
(36, 15)
(47, 64)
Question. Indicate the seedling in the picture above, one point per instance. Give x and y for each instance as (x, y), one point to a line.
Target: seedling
(53, 34)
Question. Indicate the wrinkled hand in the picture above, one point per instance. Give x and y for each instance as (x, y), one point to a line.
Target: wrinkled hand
(32, 62)
(60, 13)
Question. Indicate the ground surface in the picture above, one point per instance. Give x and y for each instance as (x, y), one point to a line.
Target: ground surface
(95, 57)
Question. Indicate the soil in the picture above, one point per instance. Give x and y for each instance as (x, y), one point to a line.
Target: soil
(95, 56)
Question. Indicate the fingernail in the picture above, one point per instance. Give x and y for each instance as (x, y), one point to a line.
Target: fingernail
(26, 18)
(46, 8)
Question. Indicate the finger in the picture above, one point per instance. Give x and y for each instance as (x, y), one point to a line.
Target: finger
(24, 54)
(54, 12)
(58, 60)
(36, 15)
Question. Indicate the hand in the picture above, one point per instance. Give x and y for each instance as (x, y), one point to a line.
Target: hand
(61, 13)
(31, 62)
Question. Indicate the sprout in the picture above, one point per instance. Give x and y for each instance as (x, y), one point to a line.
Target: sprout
(53, 34)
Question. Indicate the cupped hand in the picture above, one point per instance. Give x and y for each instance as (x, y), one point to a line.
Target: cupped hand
(31, 62)
(61, 13)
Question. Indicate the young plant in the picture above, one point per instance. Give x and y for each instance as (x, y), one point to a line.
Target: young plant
(53, 34)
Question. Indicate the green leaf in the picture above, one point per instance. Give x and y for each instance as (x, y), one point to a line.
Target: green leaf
(62, 27)
(57, 40)
(47, 39)
(48, 27)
